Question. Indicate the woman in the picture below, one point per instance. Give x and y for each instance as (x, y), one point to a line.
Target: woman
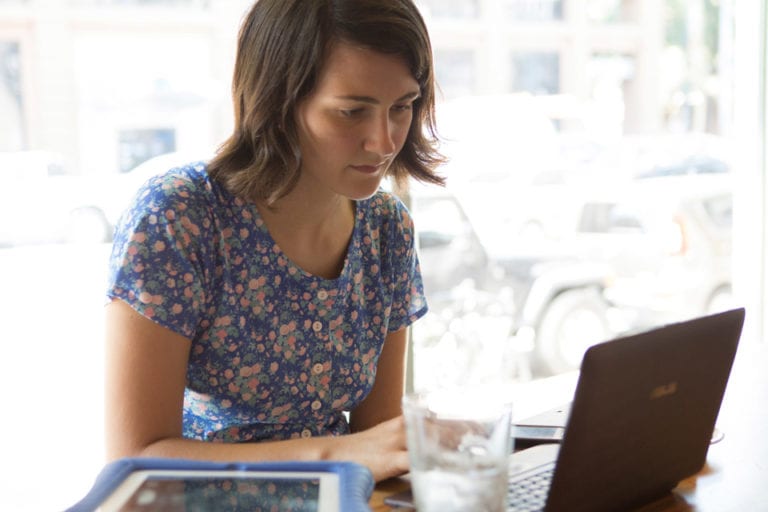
(256, 298)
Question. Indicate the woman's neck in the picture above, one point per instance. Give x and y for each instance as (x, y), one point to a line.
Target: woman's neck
(312, 233)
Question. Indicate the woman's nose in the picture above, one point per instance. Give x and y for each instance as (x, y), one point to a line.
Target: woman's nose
(380, 138)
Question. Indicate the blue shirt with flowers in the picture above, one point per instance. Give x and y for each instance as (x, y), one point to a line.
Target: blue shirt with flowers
(276, 352)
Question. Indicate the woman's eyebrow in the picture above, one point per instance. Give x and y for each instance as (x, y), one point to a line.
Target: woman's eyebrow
(368, 99)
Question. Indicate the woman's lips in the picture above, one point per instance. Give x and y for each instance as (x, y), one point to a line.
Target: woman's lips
(368, 169)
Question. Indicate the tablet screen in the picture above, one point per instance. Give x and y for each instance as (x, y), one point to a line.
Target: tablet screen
(190, 491)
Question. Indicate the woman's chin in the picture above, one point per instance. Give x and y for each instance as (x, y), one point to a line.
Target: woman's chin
(363, 191)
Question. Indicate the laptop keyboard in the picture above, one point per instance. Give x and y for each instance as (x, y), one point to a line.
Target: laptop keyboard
(530, 493)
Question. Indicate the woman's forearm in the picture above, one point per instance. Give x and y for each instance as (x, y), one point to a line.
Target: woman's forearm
(319, 448)
(381, 449)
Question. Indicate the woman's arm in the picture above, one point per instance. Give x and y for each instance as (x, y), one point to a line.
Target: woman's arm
(381, 411)
(384, 400)
(145, 377)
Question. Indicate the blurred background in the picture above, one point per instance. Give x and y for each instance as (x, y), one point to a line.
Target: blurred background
(606, 174)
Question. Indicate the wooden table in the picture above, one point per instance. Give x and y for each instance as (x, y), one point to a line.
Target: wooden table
(735, 477)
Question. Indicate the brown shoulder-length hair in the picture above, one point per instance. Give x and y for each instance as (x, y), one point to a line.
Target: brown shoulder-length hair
(282, 47)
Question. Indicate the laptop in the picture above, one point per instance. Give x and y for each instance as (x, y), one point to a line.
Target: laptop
(641, 419)
(546, 427)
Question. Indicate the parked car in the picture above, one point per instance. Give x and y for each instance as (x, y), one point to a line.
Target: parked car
(668, 242)
(690, 165)
(534, 296)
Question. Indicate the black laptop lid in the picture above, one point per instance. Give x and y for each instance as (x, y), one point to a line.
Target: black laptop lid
(643, 413)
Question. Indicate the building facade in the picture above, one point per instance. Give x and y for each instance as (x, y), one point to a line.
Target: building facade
(109, 83)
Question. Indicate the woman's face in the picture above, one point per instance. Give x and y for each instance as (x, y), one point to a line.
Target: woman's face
(355, 122)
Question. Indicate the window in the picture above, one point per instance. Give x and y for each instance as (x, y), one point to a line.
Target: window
(635, 175)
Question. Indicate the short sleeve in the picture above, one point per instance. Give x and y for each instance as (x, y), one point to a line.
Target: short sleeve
(159, 263)
(408, 301)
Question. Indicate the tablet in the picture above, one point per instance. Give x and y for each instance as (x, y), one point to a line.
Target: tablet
(167, 490)
(169, 485)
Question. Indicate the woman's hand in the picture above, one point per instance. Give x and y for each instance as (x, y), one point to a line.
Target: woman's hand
(381, 448)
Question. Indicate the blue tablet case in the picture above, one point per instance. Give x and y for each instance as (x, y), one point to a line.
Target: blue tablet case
(355, 481)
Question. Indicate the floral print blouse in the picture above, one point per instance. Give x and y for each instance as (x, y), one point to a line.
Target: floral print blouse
(276, 352)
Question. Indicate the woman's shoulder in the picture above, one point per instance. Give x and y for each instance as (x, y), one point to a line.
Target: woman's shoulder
(185, 184)
(385, 203)
(180, 191)
(186, 177)
(386, 211)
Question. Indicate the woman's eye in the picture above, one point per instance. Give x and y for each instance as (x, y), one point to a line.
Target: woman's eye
(403, 108)
(351, 112)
